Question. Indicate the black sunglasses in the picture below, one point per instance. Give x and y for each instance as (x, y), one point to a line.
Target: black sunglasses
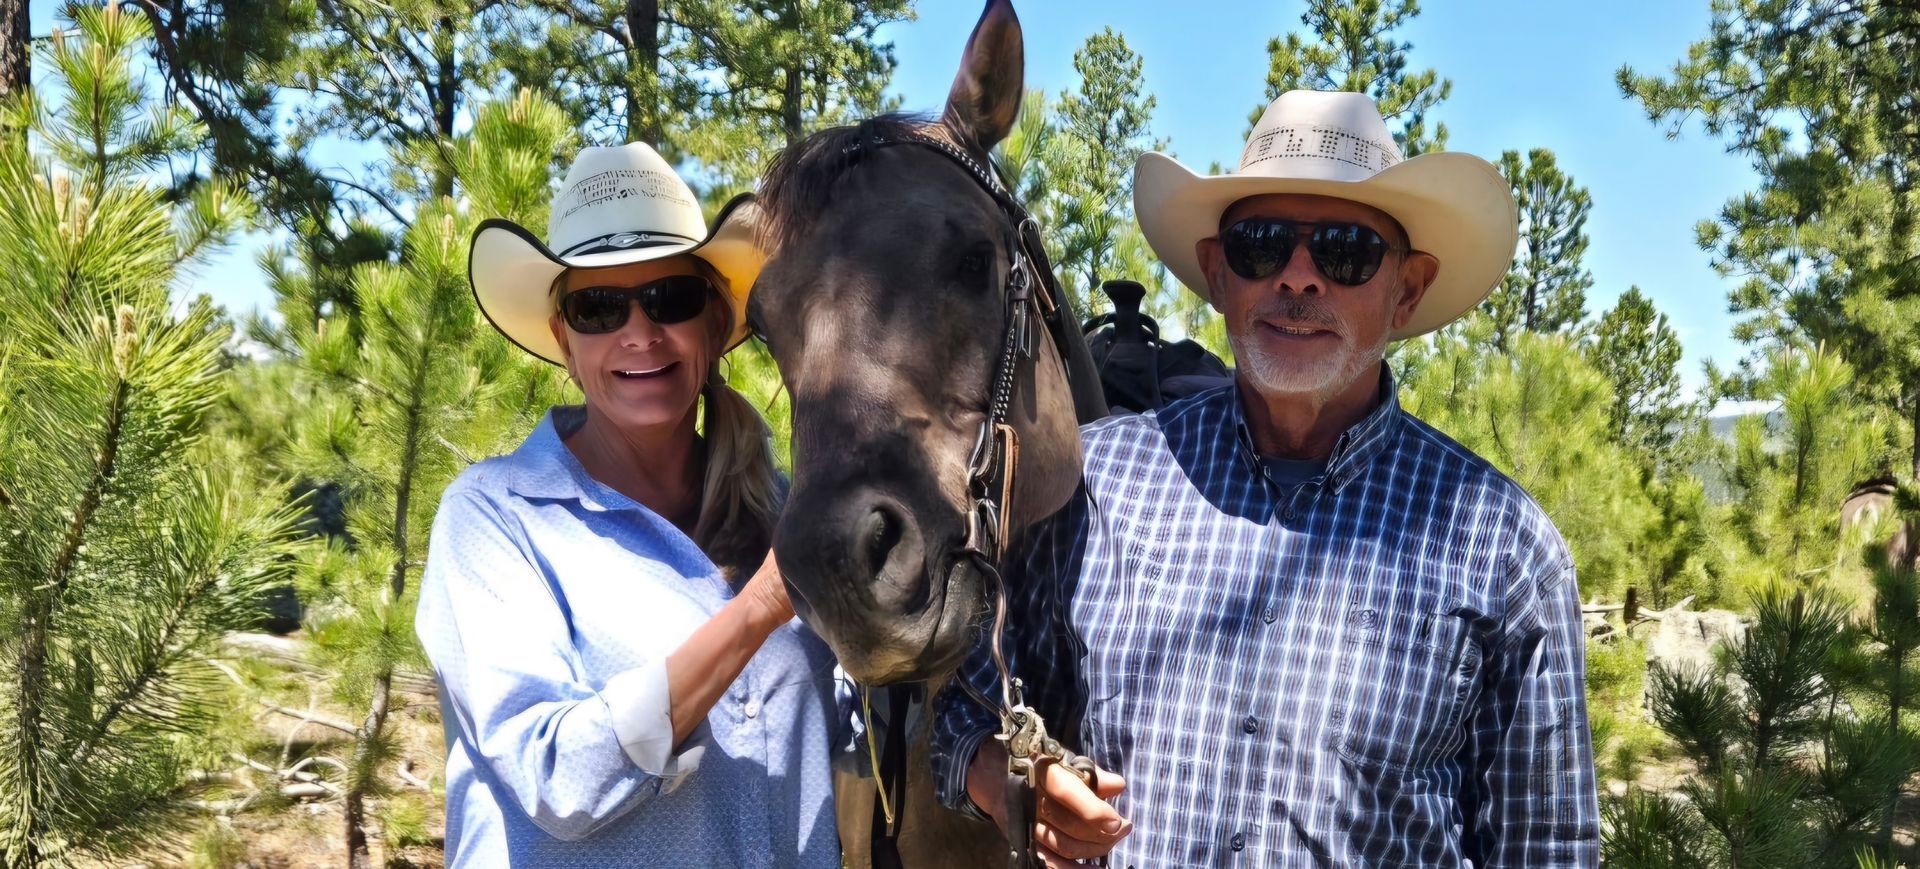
(669, 300)
(1347, 253)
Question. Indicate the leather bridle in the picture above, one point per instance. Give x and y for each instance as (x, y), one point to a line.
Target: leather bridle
(1032, 294)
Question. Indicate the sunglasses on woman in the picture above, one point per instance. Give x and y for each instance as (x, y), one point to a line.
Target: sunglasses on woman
(669, 300)
(1349, 254)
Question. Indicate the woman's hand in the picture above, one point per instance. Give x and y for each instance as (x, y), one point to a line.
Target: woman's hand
(701, 669)
(769, 592)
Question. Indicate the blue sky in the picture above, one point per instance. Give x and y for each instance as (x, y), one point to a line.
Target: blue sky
(1525, 74)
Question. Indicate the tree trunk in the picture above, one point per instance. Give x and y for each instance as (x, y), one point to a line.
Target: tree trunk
(16, 48)
(1913, 521)
(791, 105)
(359, 854)
(447, 99)
(643, 72)
(1897, 697)
(16, 59)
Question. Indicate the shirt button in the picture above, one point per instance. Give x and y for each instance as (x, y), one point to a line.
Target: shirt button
(1251, 725)
(1237, 842)
(753, 708)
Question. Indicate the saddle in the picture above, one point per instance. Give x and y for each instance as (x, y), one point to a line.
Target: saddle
(1140, 371)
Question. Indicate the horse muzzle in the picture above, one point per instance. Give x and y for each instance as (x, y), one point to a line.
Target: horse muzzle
(882, 582)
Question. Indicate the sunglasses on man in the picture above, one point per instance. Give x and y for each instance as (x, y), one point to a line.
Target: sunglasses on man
(669, 300)
(1349, 254)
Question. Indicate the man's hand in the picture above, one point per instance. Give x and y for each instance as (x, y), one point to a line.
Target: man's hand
(1071, 822)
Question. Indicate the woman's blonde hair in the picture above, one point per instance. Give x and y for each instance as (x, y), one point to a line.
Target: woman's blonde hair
(741, 492)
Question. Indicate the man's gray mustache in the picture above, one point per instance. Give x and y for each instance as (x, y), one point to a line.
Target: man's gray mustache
(1295, 312)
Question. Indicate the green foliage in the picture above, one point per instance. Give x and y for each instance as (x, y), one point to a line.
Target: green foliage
(221, 67)
(603, 63)
(1651, 831)
(1539, 414)
(749, 369)
(403, 821)
(126, 553)
(1639, 353)
(1819, 95)
(1616, 684)
(1099, 129)
(1790, 481)
(217, 847)
(1546, 289)
(401, 395)
(1352, 49)
(394, 73)
(1797, 764)
(788, 67)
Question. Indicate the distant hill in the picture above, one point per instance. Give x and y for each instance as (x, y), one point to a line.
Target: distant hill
(1722, 426)
(1712, 478)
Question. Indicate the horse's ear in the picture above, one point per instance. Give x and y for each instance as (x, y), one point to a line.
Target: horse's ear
(985, 100)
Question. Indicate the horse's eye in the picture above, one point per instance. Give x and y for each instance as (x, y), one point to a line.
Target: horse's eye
(974, 264)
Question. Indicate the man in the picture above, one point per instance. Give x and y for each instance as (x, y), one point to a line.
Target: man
(1302, 626)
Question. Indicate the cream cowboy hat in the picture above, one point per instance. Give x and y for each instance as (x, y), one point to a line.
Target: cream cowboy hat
(1454, 206)
(617, 206)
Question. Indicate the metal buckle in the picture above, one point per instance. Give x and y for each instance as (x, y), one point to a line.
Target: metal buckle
(980, 462)
(983, 528)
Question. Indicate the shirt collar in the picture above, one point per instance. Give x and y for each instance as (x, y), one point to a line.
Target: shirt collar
(544, 468)
(1352, 451)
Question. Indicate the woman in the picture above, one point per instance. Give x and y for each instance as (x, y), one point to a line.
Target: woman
(610, 698)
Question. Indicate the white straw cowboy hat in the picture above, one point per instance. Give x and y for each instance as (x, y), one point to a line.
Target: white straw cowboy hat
(1454, 206)
(617, 206)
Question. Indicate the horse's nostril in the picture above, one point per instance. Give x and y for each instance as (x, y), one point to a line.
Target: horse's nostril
(881, 532)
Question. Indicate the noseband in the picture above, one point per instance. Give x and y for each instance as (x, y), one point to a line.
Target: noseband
(1032, 293)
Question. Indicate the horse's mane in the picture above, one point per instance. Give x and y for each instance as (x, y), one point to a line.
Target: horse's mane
(799, 183)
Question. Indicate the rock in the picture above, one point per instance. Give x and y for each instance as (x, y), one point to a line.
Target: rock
(1683, 638)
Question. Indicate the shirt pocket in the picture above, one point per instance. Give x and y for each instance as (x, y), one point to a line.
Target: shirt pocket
(1407, 677)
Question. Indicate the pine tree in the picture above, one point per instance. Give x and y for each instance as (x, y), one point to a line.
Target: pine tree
(1539, 414)
(226, 69)
(1639, 353)
(1100, 128)
(406, 392)
(784, 67)
(1819, 95)
(1546, 289)
(1353, 49)
(16, 57)
(1773, 758)
(126, 553)
(1885, 665)
(1789, 479)
(394, 73)
(603, 62)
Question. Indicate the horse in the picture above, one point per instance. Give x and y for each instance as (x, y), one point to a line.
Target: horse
(937, 381)
(1867, 504)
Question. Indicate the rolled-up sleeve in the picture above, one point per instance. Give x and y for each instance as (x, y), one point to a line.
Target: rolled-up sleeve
(572, 755)
(1531, 789)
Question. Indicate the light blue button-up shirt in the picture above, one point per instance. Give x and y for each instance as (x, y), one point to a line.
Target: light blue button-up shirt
(549, 605)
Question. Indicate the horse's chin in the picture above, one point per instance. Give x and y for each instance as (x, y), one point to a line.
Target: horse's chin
(909, 648)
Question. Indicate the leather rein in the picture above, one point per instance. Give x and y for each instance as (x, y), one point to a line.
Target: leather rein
(1032, 293)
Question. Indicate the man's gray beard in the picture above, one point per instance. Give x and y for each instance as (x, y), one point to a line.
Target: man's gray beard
(1273, 376)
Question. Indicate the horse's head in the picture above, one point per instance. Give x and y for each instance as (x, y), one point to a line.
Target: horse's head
(885, 304)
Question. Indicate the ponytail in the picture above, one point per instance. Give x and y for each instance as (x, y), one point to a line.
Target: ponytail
(740, 500)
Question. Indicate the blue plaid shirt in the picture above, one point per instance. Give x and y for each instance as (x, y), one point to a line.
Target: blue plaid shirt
(1380, 666)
